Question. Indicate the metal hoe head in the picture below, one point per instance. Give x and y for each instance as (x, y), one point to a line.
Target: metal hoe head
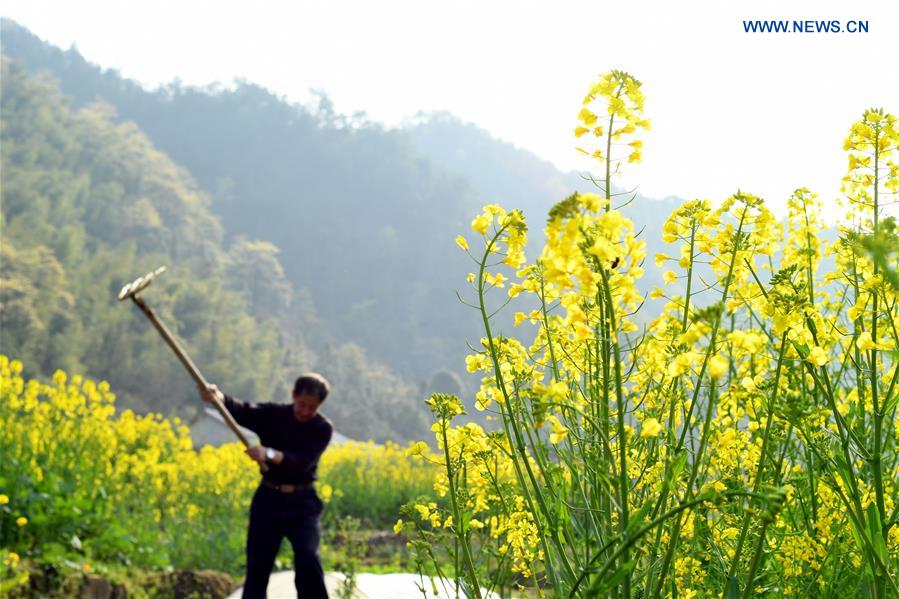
(139, 284)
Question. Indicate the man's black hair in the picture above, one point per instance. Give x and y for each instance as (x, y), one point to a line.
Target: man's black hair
(312, 383)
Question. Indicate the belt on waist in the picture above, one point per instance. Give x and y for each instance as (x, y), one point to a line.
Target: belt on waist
(284, 488)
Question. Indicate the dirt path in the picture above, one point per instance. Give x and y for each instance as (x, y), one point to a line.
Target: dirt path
(369, 586)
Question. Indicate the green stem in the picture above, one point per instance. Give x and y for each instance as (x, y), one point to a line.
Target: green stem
(754, 563)
(457, 517)
(689, 278)
(758, 554)
(623, 480)
(663, 499)
(876, 458)
(549, 341)
(760, 468)
(632, 539)
(510, 422)
(672, 543)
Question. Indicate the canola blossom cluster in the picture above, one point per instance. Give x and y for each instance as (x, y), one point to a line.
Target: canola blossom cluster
(613, 112)
(82, 484)
(744, 442)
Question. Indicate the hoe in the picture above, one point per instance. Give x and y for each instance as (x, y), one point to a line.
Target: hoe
(130, 291)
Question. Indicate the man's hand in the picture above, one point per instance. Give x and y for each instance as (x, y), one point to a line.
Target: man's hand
(210, 393)
(257, 453)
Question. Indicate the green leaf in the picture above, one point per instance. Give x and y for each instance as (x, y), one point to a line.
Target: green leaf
(18, 579)
(875, 532)
(602, 586)
(53, 553)
(638, 518)
(733, 588)
(891, 405)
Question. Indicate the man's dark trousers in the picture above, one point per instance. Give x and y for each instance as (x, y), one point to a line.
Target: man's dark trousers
(273, 516)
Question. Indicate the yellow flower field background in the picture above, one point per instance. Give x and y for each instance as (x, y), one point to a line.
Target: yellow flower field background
(83, 485)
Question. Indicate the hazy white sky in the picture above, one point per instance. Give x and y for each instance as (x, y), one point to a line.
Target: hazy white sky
(763, 112)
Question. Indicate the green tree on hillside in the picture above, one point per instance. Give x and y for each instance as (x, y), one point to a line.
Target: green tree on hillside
(88, 204)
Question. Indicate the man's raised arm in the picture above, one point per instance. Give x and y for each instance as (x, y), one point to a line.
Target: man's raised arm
(247, 415)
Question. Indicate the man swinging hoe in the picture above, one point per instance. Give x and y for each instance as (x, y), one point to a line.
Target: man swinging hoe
(292, 438)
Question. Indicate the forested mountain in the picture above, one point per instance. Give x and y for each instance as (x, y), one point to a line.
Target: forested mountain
(88, 204)
(334, 227)
(364, 222)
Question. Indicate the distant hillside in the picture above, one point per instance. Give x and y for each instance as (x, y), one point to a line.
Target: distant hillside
(88, 204)
(498, 171)
(364, 222)
(364, 216)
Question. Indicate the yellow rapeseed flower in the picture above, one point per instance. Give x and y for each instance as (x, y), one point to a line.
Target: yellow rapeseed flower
(651, 428)
(559, 431)
(497, 280)
(717, 367)
(866, 343)
(418, 448)
(748, 383)
(586, 117)
(480, 224)
(818, 356)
